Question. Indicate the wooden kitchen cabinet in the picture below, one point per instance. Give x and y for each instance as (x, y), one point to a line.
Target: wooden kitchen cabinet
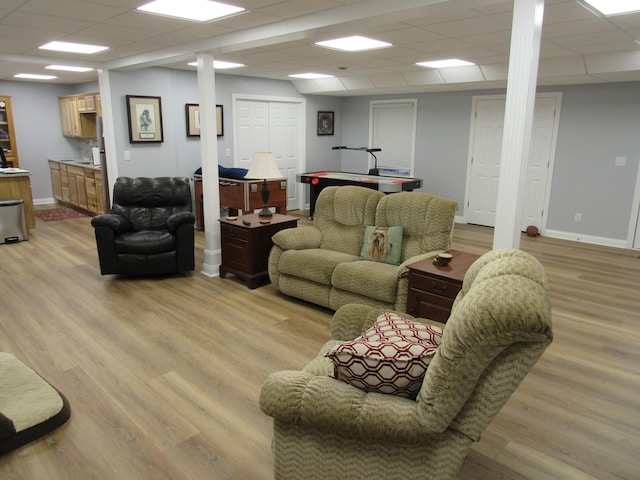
(77, 185)
(78, 115)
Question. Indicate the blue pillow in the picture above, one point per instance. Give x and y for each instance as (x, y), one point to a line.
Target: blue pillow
(235, 173)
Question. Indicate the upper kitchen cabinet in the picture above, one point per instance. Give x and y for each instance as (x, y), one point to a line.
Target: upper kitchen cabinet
(78, 115)
(7, 133)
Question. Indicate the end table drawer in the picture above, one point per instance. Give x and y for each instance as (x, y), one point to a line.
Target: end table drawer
(435, 286)
(235, 232)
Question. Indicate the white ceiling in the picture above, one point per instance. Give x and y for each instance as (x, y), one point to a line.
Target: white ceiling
(275, 38)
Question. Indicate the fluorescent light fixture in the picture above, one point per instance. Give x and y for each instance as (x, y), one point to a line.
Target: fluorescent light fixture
(33, 76)
(614, 7)
(69, 68)
(310, 76)
(73, 47)
(198, 10)
(220, 65)
(451, 62)
(353, 44)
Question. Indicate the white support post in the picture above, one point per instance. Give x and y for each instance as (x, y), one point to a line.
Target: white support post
(209, 156)
(518, 120)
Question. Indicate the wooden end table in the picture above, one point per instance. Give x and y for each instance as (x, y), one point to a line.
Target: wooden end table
(432, 288)
(245, 248)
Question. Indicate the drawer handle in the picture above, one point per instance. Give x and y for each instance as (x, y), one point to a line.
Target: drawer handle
(439, 288)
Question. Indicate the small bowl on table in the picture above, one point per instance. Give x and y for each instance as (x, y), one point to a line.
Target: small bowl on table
(442, 259)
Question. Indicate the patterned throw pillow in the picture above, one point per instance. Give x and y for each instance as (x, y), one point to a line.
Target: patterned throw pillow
(382, 244)
(391, 357)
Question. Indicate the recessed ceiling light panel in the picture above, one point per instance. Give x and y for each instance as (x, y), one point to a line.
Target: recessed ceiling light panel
(355, 43)
(448, 63)
(69, 68)
(220, 65)
(198, 10)
(615, 7)
(73, 47)
(310, 76)
(33, 76)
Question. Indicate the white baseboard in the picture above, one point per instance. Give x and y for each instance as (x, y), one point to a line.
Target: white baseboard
(576, 237)
(44, 201)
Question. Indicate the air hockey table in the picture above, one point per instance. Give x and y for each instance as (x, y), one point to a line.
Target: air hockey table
(319, 180)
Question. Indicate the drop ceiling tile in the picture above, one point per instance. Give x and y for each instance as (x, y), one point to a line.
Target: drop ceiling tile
(495, 71)
(72, 9)
(384, 80)
(471, 26)
(423, 77)
(562, 66)
(462, 74)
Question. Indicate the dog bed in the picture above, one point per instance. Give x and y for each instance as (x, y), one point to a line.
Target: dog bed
(29, 406)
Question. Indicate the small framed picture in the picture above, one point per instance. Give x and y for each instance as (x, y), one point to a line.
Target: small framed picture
(325, 123)
(145, 119)
(192, 111)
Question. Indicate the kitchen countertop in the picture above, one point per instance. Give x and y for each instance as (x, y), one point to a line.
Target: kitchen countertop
(76, 162)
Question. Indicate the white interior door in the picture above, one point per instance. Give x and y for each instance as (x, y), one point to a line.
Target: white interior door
(485, 153)
(275, 125)
(486, 148)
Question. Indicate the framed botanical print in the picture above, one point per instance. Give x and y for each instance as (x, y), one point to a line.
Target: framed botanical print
(192, 112)
(145, 119)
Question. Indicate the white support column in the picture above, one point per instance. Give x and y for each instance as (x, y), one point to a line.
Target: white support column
(110, 150)
(209, 156)
(518, 120)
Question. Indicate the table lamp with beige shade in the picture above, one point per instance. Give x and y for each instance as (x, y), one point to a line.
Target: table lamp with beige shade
(264, 166)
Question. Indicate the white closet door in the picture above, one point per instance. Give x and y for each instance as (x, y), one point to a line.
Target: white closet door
(252, 130)
(276, 126)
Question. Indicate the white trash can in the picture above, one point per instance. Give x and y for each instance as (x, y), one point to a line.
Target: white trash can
(13, 223)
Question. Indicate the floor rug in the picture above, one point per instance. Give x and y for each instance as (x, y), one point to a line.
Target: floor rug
(29, 406)
(59, 213)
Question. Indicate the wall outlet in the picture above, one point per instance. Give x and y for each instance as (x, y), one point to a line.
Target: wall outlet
(127, 154)
(227, 152)
(578, 217)
(621, 161)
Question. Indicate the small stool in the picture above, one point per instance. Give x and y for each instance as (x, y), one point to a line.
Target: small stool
(13, 223)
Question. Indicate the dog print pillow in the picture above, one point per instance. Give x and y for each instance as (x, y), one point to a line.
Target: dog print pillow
(382, 244)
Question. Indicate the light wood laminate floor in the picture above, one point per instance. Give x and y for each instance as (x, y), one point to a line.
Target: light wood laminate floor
(163, 375)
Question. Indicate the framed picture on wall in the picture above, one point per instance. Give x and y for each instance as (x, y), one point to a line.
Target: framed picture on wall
(145, 119)
(192, 111)
(325, 123)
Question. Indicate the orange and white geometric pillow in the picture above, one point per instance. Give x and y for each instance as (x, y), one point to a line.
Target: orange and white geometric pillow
(391, 357)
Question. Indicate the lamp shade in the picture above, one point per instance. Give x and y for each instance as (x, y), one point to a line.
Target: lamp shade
(264, 167)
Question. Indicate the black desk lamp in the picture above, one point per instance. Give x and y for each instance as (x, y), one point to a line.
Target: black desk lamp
(264, 166)
(372, 171)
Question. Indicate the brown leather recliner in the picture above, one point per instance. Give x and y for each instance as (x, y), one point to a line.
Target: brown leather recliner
(150, 230)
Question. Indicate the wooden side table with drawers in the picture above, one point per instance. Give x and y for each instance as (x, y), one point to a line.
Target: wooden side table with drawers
(433, 288)
(246, 244)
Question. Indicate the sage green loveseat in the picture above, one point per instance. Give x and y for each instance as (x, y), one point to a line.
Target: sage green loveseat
(326, 429)
(322, 264)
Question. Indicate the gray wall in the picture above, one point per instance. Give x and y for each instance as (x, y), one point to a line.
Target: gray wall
(597, 124)
(179, 154)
